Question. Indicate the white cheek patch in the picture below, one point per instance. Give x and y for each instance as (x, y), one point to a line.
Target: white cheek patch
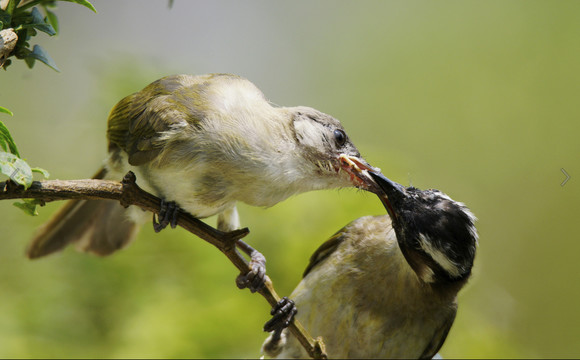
(440, 258)
(308, 132)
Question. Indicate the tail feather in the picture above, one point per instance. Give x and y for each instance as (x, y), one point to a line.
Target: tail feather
(53, 235)
(112, 230)
(98, 226)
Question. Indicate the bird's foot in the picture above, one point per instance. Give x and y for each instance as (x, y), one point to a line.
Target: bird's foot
(168, 214)
(282, 314)
(256, 277)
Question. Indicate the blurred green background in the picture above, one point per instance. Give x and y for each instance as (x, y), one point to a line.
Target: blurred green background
(477, 99)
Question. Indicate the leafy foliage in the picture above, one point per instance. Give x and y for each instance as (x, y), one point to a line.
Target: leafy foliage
(29, 206)
(6, 142)
(16, 168)
(19, 22)
(11, 164)
(5, 111)
(26, 21)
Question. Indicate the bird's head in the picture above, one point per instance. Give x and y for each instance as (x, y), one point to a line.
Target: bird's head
(436, 234)
(323, 143)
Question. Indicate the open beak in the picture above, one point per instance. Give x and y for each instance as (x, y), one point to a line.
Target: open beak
(358, 170)
(369, 178)
(388, 191)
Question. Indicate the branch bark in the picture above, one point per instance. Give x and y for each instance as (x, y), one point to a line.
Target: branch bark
(8, 39)
(129, 193)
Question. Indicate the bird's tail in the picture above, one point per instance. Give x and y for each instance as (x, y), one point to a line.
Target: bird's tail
(97, 226)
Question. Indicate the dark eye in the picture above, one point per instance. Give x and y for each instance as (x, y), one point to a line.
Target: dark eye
(340, 137)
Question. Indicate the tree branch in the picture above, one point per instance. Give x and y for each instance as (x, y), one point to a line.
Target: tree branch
(129, 193)
(8, 39)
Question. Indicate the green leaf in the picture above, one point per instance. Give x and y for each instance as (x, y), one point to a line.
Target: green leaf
(38, 53)
(12, 4)
(84, 3)
(29, 206)
(42, 171)
(39, 23)
(5, 19)
(30, 62)
(6, 111)
(6, 141)
(52, 19)
(15, 168)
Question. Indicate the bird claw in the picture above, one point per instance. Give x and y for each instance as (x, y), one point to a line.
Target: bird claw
(256, 277)
(168, 213)
(282, 314)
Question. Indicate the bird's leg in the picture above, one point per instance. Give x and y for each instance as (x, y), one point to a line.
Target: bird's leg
(167, 216)
(228, 220)
(282, 314)
(254, 280)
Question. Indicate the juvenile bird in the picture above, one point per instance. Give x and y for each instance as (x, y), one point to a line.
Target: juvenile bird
(204, 143)
(383, 287)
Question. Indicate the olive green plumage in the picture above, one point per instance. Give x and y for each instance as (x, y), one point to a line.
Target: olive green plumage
(365, 301)
(205, 142)
(137, 121)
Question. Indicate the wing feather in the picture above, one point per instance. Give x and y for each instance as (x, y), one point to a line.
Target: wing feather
(138, 122)
(440, 335)
(325, 250)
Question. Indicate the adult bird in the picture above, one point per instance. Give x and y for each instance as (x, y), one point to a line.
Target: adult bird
(383, 287)
(203, 143)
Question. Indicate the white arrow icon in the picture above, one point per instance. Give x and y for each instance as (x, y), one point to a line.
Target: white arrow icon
(567, 177)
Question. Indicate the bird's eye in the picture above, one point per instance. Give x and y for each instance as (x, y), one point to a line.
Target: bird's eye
(340, 137)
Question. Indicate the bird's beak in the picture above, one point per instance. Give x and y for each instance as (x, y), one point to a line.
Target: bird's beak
(358, 170)
(387, 190)
(387, 186)
(371, 179)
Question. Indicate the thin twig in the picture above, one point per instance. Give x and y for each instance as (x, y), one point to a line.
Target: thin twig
(129, 193)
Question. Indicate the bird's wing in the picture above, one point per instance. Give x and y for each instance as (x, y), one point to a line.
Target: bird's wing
(325, 250)
(440, 335)
(138, 121)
